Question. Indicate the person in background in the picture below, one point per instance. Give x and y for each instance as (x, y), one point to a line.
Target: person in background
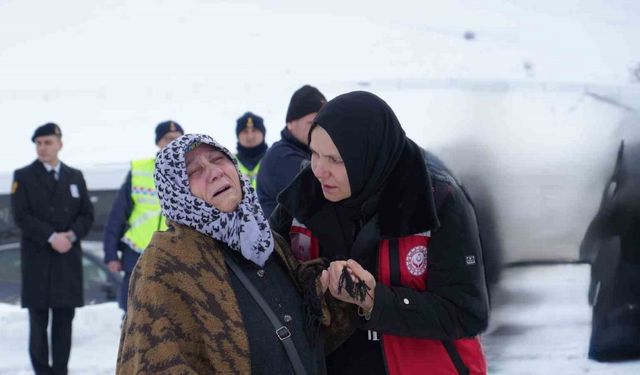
(286, 157)
(135, 213)
(191, 307)
(251, 147)
(612, 246)
(402, 245)
(51, 206)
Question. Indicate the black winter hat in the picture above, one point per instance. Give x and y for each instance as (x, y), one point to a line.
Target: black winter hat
(47, 129)
(166, 127)
(250, 120)
(305, 100)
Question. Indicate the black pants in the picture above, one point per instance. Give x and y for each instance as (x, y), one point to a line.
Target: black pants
(60, 339)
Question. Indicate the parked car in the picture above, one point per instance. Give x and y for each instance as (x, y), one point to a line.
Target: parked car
(100, 285)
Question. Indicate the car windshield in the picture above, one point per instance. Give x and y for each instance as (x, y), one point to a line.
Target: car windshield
(10, 265)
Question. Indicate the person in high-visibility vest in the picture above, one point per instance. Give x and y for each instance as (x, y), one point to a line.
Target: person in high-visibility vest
(251, 147)
(135, 214)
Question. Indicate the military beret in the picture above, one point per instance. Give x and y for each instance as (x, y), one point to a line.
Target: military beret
(47, 129)
(166, 127)
(250, 120)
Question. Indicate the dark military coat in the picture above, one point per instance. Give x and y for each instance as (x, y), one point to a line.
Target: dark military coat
(41, 206)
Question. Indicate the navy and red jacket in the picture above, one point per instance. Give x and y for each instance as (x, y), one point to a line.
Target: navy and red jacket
(431, 300)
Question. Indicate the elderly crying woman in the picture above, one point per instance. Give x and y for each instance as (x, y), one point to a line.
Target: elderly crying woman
(214, 293)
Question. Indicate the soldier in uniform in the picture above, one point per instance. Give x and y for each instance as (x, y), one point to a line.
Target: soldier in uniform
(135, 213)
(51, 207)
(250, 131)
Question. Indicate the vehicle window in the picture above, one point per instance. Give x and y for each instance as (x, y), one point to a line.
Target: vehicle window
(10, 265)
(93, 274)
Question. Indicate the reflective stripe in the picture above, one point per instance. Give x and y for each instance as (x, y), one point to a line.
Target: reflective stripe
(142, 190)
(144, 217)
(142, 173)
(131, 245)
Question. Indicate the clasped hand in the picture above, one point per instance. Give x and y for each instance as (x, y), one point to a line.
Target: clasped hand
(330, 279)
(61, 241)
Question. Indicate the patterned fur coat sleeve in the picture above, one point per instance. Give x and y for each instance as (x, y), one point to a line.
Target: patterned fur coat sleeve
(337, 320)
(183, 317)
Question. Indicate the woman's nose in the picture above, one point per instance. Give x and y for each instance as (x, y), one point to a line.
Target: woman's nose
(320, 170)
(213, 172)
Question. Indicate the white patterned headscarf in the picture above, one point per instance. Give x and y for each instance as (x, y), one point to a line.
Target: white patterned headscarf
(245, 229)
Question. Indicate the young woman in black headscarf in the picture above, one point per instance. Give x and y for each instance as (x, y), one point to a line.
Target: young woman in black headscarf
(400, 240)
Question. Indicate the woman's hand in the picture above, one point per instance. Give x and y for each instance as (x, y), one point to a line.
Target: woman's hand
(357, 274)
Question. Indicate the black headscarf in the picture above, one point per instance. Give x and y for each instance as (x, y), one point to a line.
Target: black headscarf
(369, 138)
(388, 179)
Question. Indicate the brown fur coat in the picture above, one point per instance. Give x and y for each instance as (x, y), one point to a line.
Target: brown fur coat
(183, 316)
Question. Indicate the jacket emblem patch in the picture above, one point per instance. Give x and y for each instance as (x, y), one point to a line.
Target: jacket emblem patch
(417, 260)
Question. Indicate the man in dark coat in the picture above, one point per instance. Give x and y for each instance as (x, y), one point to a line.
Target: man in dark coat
(285, 158)
(51, 207)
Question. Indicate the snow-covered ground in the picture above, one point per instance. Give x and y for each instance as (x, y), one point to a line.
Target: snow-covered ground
(96, 332)
(540, 325)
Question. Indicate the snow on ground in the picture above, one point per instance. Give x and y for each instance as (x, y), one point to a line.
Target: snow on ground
(96, 333)
(540, 325)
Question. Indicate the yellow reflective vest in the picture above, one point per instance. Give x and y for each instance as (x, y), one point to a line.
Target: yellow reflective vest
(146, 216)
(251, 174)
